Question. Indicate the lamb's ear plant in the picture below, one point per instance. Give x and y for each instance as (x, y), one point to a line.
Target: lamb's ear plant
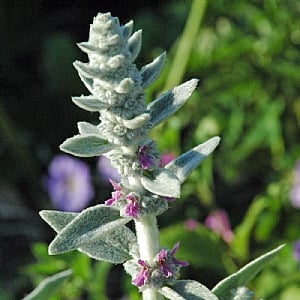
(116, 89)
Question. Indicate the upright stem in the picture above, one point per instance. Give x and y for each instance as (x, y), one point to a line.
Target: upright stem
(186, 43)
(148, 240)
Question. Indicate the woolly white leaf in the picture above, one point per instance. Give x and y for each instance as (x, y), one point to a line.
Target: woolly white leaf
(164, 183)
(127, 29)
(48, 286)
(137, 121)
(57, 219)
(151, 71)
(187, 162)
(113, 247)
(91, 224)
(245, 274)
(135, 43)
(89, 103)
(169, 102)
(89, 129)
(187, 290)
(86, 145)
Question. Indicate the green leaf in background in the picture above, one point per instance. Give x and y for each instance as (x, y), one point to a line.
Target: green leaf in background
(86, 227)
(187, 162)
(189, 290)
(151, 71)
(48, 286)
(86, 145)
(195, 245)
(245, 274)
(169, 102)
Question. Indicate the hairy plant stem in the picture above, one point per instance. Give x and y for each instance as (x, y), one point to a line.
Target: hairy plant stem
(148, 240)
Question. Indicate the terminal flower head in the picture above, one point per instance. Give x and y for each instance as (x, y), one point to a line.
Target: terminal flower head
(69, 183)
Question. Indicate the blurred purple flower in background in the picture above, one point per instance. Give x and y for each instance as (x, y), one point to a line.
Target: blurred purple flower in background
(106, 170)
(166, 158)
(295, 191)
(218, 221)
(191, 224)
(296, 250)
(69, 183)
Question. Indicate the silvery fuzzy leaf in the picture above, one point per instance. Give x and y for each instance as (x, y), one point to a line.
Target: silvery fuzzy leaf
(57, 219)
(137, 122)
(187, 290)
(89, 129)
(245, 274)
(187, 162)
(86, 145)
(88, 82)
(91, 224)
(127, 29)
(134, 44)
(151, 71)
(89, 103)
(125, 86)
(113, 247)
(164, 183)
(48, 286)
(169, 102)
(86, 70)
(88, 48)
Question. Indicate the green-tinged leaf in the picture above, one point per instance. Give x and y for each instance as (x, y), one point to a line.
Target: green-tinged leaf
(89, 225)
(164, 183)
(113, 247)
(187, 162)
(187, 290)
(241, 277)
(48, 286)
(169, 102)
(89, 103)
(86, 145)
(135, 43)
(151, 71)
(57, 219)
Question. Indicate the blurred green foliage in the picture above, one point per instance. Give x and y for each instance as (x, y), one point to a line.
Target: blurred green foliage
(245, 53)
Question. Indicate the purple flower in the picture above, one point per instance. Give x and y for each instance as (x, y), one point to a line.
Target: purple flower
(106, 170)
(295, 191)
(132, 208)
(69, 183)
(167, 263)
(144, 275)
(218, 221)
(145, 158)
(296, 250)
(116, 195)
